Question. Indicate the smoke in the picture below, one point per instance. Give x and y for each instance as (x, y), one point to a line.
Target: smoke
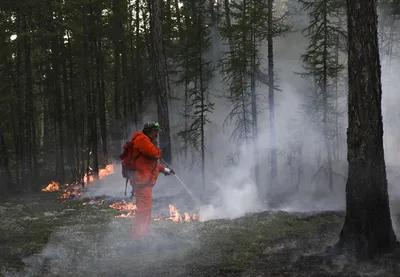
(82, 250)
(230, 190)
(237, 193)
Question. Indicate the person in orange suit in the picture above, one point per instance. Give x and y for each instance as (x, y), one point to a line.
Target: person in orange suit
(144, 177)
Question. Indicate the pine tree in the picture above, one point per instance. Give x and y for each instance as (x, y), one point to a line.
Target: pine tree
(197, 73)
(320, 63)
(246, 28)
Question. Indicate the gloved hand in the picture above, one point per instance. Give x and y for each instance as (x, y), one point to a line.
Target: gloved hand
(168, 171)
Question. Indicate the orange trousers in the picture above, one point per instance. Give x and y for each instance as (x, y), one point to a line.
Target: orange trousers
(144, 206)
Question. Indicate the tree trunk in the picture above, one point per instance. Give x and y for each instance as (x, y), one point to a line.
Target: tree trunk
(138, 54)
(19, 133)
(325, 101)
(160, 76)
(202, 95)
(367, 229)
(67, 107)
(271, 98)
(5, 173)
(58, 106)
(85, 143)
(336, 149)
(75, 133)
(30, 112)
(117, 59)
(254, 98)
(93, 104)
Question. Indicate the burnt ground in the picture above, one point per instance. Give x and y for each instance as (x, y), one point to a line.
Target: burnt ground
(39, 236)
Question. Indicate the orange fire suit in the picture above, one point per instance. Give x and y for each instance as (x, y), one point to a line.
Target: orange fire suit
(143, 179)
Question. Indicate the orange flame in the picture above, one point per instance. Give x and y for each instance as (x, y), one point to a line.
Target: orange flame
(175, 216)
(73, 189)
(128, 210)
(53, 186)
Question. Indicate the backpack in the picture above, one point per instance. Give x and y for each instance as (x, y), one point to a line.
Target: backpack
(128, 161)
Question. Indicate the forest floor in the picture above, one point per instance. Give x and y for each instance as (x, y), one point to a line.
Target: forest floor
(39, 236)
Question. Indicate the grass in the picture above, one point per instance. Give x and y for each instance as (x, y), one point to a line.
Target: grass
(43, 237)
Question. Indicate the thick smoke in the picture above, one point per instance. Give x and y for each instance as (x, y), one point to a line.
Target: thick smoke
(230, 188)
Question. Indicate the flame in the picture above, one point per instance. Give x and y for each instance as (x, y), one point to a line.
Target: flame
(53, 186)
(74, 189)
(175, 216)
(127, 209)
(71, 193)
(104, 172)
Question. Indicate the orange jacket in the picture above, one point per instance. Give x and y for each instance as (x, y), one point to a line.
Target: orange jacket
(147, 165)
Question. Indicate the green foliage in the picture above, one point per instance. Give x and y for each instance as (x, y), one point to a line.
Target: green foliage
(246, 34)
(321, 57)
(69, 70)
(196, 74)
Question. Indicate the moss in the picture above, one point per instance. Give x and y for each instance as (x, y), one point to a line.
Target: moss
(233, 245)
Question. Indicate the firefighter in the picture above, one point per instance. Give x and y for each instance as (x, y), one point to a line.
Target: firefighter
(144, 177)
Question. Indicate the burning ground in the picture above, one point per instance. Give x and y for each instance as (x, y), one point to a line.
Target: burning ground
(39, 236)
(59, 232)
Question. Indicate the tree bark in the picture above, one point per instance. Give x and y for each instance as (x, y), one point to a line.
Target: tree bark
(367, 229)
(254, 97)
(5, 173)
(271, 98)
(30, 112)
(58, 105)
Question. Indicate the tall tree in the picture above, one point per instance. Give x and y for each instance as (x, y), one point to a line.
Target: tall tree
(246, 29)
(271, 97)
(321, 64)
(367, 229)
(197, 74)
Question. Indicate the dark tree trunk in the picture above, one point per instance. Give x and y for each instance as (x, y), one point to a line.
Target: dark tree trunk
(19, 133)
(117, 59)
(138, 74)
(102, 100)
(58, 106)
(5, 173)
(254, 98)
(271, 97)
(92, 120)
(75, 132)
(68, 114)
(367, 229)
(30, 112)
